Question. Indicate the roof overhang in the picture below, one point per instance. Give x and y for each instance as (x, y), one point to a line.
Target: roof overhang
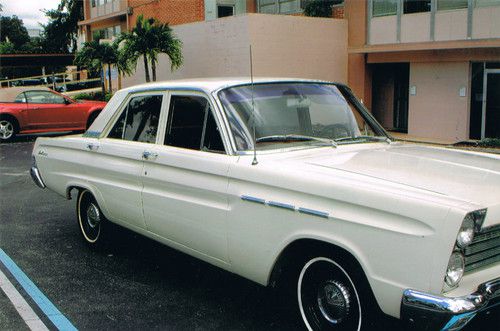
(426, 46)
(103, 18)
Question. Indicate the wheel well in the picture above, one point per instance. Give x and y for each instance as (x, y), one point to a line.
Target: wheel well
(13, 118)
(70, 189)
(298, 250)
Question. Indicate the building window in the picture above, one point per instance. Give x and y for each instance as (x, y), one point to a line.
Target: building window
(416, 6)
(93, 3)
(385, 7)
(224, 11)
(451, 4)
(487, 3)
(106, 33)
(280, 6)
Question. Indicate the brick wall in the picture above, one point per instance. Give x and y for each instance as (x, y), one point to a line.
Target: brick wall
(338, 12)
(173, 12)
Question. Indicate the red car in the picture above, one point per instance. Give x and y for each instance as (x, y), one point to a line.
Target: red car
(39, 109)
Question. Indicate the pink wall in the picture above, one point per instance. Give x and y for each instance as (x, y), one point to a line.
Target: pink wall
(283, 46)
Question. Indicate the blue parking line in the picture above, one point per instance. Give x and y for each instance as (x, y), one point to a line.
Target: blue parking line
(48, 308)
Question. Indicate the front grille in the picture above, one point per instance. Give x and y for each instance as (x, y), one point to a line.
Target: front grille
(484, 250)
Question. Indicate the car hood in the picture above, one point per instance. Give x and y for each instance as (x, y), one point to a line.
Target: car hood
(469, 177)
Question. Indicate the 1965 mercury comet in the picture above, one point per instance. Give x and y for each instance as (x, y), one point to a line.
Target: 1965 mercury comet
(291, 184)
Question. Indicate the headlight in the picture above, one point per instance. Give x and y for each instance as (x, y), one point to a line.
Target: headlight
(466, 233)
(455, 270)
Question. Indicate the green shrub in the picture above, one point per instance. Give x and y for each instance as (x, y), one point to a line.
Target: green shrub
(489, 142)
(320, 8)
(93, 96)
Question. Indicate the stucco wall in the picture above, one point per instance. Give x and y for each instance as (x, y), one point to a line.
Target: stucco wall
(437, 110)
(451, 25)
(486, 22)
(285, 46)
(383, 30)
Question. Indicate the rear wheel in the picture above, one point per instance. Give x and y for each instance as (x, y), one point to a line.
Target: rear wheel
(8, 129)
(91, 220)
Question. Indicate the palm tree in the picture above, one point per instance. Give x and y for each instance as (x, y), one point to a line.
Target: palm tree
(148, 39)
(94, 55)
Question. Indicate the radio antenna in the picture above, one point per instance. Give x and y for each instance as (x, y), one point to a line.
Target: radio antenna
(254, 162)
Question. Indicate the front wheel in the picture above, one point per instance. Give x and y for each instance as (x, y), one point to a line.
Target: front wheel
(91, 220)
(327, 296)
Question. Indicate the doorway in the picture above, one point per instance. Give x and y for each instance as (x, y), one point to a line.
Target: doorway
(390, 87)
(485, 101)
(490, 124)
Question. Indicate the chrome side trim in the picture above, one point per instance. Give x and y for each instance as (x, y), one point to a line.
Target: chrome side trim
(253, 199)
(35, 175)
(313, 212)
(286, 206)
(280, 205)
(447, 313)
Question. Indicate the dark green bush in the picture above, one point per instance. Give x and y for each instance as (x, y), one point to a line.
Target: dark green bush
(320, 8)
(489, 142)
(93, 96)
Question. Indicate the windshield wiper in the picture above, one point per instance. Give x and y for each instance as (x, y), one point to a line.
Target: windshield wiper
(294, 137)
(364, 138)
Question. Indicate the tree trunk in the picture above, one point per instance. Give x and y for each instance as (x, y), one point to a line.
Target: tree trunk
(103, 87)
(146, 68)
(153, 69)
(109, 78)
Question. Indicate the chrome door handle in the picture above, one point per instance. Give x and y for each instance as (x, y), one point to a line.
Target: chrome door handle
(149, 155)
(92, 147)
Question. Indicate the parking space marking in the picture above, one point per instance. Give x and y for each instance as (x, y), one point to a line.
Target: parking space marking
(48, 308)
(22, 307)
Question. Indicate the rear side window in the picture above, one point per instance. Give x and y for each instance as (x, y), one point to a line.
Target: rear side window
(191, 125)
(139, 120)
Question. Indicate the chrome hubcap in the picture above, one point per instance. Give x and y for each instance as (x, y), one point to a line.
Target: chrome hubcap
(93, 216)
(334, 301)
(6, 129)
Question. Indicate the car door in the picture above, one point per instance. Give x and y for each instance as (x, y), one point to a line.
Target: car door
(185, 180)
(117, 165)
(48, 110)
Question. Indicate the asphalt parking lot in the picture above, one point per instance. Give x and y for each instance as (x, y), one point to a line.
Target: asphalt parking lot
(132, 284)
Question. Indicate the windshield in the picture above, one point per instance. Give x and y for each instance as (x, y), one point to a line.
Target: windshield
(294, 114)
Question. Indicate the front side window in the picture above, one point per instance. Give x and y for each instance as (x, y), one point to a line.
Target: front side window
(139, 120)
(20, 98)
(294, 115)
(385, 7)
(44, 97)
(191, 125)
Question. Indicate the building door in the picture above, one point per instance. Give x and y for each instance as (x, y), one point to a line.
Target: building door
(490, 124)
(401, 90)
(390, 88)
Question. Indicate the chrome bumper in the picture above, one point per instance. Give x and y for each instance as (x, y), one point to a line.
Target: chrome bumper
(35, 175)
(443, 313)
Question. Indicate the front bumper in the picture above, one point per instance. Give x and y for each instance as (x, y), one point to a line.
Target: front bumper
(35, 175)
(443, 313)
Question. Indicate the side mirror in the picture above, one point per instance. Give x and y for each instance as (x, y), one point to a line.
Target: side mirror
(67, 102)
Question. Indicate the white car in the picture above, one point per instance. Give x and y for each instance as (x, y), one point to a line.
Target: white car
(291, 184)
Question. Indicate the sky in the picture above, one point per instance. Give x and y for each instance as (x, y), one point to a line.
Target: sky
(30, 11)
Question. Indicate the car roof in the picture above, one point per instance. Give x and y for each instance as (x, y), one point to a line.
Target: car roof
(209, 85)
(9, 94)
